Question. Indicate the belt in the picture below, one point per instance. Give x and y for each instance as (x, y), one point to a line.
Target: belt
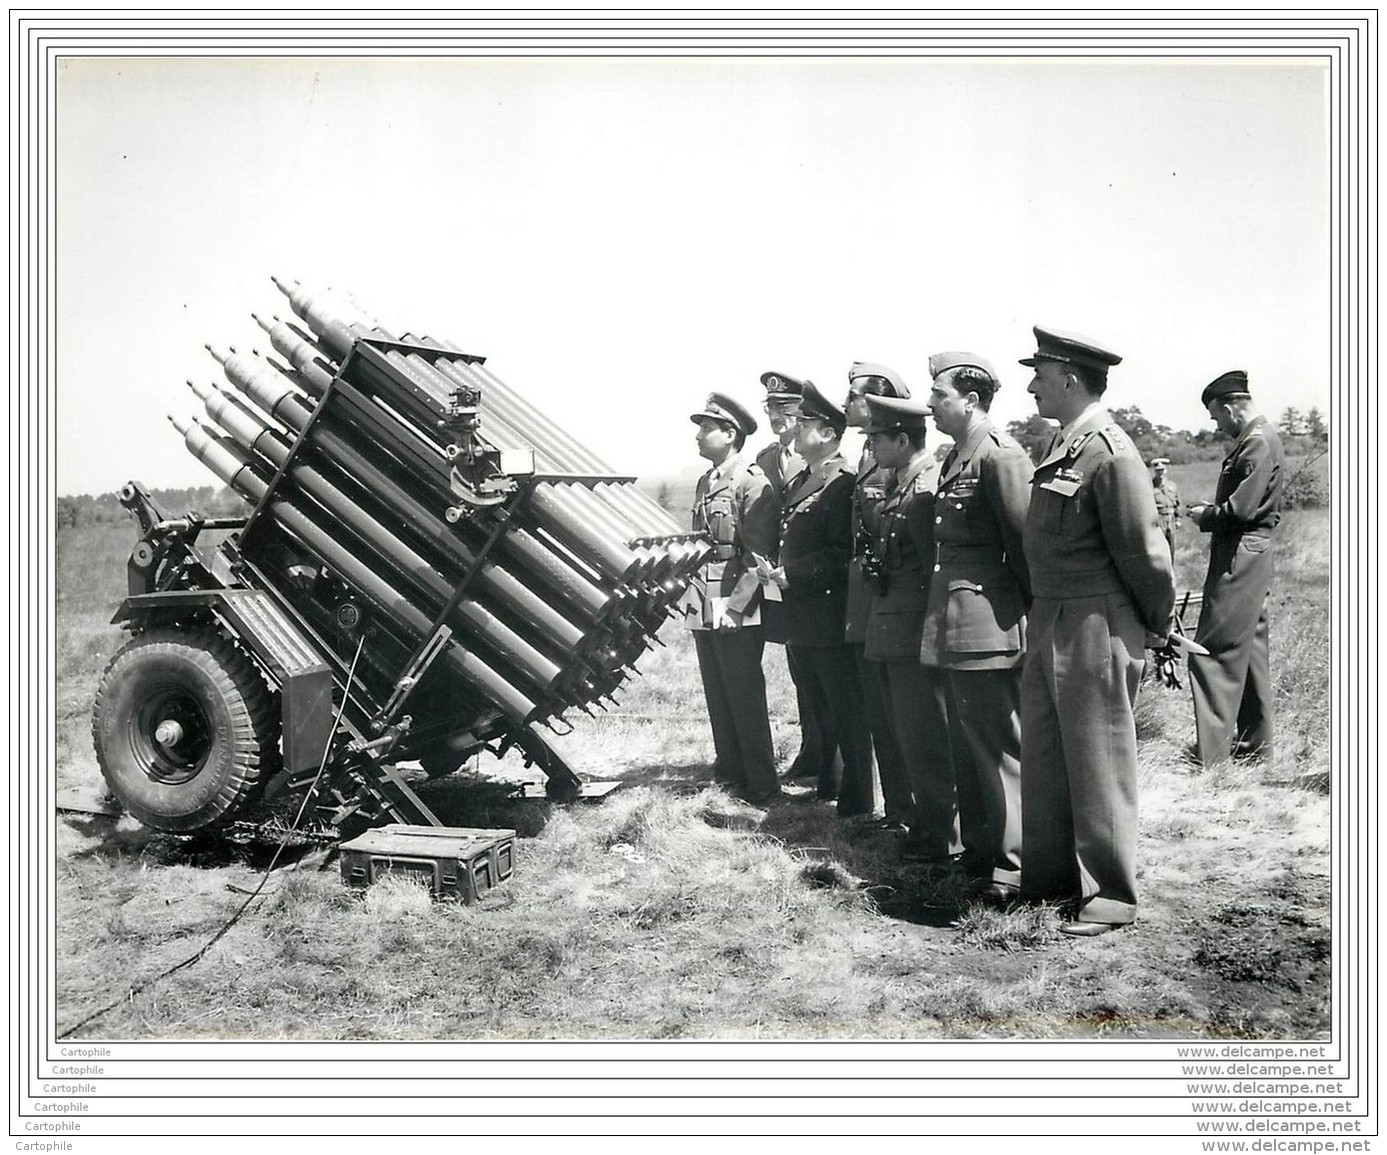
(949, 551)
(723, 551)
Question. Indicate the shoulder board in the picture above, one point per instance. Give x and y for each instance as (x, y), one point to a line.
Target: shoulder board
(1003, 440)
(1117, 441)
(921, 485)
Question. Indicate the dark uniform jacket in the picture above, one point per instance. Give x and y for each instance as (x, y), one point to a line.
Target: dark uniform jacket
(737, 508)
(815, 547)
(1248, 498)
(903, 544)
(769, 462)
(979, 586)
(1092, 527)
(867, 497)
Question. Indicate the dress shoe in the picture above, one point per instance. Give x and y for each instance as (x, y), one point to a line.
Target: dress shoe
(888, 825)
(764, 798)
(996, 893)
(1089, 929)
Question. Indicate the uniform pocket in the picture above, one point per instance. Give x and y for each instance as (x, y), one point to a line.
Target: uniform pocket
(982, 617)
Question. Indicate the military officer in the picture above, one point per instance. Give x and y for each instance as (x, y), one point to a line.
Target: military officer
(868, 379)
(1167, 500)
(817, 757)
(896, 570)
(815, 547)
(974, 636)
(734, 504)
(1101, 580)
(1232, 684)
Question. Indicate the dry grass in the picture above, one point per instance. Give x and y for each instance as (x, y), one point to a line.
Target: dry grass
(673, 911)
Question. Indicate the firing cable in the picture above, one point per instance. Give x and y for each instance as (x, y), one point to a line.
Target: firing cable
(140, 988)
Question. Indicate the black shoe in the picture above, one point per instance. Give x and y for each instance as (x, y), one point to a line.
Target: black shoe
(763, 798)
(996, 893)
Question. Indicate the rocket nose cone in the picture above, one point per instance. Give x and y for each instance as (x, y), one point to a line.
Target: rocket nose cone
(218, 354)
(285, 285)
(182, 424)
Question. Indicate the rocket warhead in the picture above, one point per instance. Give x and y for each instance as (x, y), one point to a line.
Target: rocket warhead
(220, 355)
(201, 391)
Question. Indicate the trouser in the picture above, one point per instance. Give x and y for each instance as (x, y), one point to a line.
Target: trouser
(735, 688)
(818, 755)
(1084, 659)
(1232, 685)
(835, 696)
(896, 796)
(922, 733)
(983, 708)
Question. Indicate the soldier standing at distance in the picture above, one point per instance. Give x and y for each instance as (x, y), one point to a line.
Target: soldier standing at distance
(734, 504)
(1167, 500)
(815, 547)
(896, 566)
(817, 755)
(1232, 684)
(1101, 578)
(864, 380)
(974, 637)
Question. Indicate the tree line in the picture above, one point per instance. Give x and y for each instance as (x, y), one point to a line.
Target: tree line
(1303, 434)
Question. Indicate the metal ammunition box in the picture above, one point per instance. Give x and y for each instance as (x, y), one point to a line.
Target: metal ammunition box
(455, 862)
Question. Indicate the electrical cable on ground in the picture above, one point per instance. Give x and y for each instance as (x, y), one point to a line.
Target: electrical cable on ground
(140, 988)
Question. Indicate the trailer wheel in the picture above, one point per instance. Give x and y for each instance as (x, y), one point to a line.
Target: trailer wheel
(439, 764)
(184, 729)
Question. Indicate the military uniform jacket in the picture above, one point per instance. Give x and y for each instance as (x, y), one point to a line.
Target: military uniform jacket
(867, 497)
(1092, 527)
(737, 509)
(904, 541)
(1248, 498)
(1167, 502)
(815, 548)
(979, 586)
(769, 462)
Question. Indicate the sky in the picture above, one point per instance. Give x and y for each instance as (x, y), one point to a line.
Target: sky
(620, 237)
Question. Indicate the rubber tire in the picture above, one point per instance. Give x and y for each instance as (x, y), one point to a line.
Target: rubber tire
(233, 734)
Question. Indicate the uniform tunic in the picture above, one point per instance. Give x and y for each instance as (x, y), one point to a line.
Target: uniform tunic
(868, 495)
(1167, 508)
(1232, 686)
(894, 628)
(734, 504)
(817, 756)
(815, 548)
(974, 637)
(1101, 578)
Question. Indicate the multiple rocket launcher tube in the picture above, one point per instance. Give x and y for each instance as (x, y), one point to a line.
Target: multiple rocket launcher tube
(581, 576)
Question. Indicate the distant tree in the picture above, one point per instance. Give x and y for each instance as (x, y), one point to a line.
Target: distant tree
(1292, 424)
(664, 496)
(1033, 435)
(1318, 429)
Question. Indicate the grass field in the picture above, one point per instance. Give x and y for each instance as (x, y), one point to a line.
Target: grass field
(671, 910)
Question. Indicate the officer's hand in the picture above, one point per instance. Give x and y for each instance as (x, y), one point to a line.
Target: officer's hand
(1168, 666)
(778, 576)
(731, 622)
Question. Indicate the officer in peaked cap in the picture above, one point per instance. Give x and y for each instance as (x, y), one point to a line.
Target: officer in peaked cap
(1101, 581)
(896, 566)
(817, 756)
(1232, 683)
(974, 637)
(812, 577)
(868, 378)
(735, 506)
(1167, 499)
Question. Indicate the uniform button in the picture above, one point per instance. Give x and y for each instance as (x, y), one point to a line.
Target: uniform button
(938, 520)
(936, 569)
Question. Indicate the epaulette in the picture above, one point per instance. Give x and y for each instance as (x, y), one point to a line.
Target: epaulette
(1116, 439)
(1003, 440)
